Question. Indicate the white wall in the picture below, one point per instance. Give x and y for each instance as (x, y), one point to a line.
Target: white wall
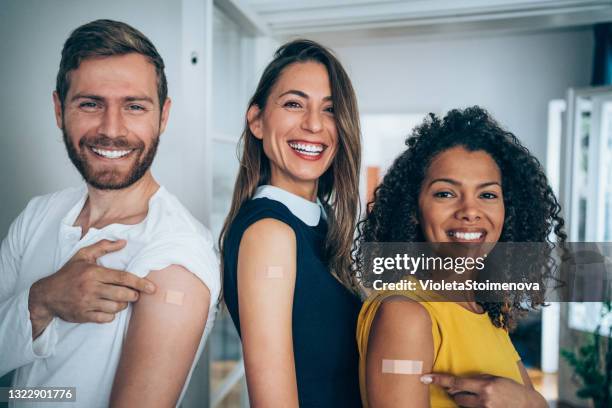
(32, 155)
(514, 76)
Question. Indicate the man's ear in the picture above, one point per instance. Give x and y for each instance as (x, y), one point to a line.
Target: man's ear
(57, 106)
(254, 121)
(165, 112)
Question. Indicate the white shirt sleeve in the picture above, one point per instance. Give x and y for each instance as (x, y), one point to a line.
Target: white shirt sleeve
(16, 345)
(193, 251)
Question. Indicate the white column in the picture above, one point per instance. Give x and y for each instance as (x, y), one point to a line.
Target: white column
(551, 315)
(196, 89)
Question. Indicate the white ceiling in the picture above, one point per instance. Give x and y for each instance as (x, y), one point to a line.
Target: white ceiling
(283, 18)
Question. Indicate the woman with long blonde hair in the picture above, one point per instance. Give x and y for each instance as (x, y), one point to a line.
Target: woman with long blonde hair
(286, 243)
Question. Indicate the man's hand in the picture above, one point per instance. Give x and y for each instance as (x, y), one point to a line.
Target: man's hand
(82, 291)
(486, 391)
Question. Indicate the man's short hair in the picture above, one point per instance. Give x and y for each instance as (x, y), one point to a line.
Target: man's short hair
(104, 38)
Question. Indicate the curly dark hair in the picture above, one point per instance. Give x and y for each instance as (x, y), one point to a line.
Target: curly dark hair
(531, 209)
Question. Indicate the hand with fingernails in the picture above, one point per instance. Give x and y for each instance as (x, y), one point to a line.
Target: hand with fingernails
(83, 291)
(486, 391)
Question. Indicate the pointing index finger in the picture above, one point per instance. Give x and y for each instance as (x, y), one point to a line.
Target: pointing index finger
(102, 248)
(456, 384)
(124, 278)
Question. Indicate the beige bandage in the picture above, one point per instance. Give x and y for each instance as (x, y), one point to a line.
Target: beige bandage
(271, 272)
(402, 367)
(174, 297)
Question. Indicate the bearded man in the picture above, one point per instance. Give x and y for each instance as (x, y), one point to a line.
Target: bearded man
(109, 288)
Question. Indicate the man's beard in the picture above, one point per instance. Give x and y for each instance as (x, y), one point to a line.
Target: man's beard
(110, 179)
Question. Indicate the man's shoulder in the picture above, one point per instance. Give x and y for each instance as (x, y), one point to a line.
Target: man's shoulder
(175, 237)
(57, 201)
(168, 216)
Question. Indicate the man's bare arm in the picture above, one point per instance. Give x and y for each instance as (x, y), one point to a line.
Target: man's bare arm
(162, 340)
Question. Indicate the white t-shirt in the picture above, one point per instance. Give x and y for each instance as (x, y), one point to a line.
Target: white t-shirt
(85, 355)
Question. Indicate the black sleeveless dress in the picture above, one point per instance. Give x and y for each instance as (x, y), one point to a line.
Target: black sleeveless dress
(324, 312)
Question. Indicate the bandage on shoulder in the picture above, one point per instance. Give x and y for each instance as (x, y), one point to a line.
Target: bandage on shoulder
(402, 366)
(174, 297)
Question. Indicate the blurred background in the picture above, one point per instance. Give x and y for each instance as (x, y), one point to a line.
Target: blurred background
(543, 68)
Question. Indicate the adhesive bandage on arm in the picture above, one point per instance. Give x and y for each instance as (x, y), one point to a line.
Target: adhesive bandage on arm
(174, 297)
(414, 367)
(271, 272)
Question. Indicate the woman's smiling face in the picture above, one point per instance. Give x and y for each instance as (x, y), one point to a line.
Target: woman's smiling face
(461, 198)
(297, 126)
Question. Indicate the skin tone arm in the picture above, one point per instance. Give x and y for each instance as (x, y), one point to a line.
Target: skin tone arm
(162, 341)
(266, 281)
(400, 331)
(82, 291)
(489, 391)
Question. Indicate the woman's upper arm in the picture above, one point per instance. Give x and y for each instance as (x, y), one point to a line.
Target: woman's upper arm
(401, 335)
(266, 281)
(162, 340)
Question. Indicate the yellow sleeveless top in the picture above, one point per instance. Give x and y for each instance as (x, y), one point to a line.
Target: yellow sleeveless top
(465, 343)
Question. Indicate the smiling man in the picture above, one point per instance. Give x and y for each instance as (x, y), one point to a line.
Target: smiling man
(110, 287)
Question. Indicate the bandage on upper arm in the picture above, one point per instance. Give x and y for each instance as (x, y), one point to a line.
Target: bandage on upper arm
(175, 291)
(174, 297)
(406, 367)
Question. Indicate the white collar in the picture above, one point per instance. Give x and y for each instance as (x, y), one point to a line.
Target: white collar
(307, 211)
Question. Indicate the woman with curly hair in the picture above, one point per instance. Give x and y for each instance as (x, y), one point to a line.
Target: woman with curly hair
(463, 179)
(286, 243)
